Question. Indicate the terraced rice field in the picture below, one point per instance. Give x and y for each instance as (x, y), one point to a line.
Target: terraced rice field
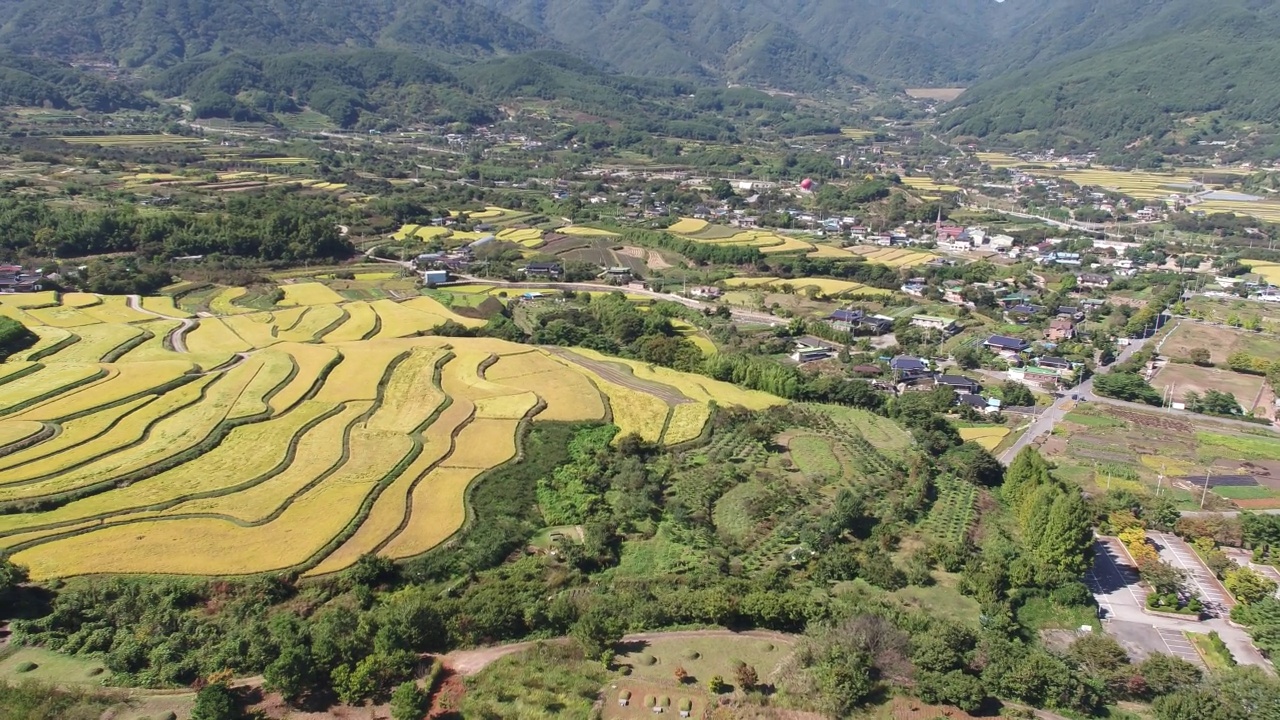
(892, 257)
(827, 286)
(1137, 184)
(584, 231)
(987, 437)
(1268, 211)
(927, 183)
(312, 448)
(311, 293)
(1268, 270)
(768, 241)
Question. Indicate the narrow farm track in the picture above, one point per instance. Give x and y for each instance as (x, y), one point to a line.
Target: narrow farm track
(622, 376)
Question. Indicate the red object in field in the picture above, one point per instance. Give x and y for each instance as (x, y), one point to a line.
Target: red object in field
(806, 184)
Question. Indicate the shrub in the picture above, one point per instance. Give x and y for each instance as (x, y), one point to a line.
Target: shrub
(646, 659)
(25, 667)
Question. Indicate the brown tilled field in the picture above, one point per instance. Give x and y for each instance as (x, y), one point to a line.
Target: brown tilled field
(1220, 341)
(1186, 378)
(940, 94)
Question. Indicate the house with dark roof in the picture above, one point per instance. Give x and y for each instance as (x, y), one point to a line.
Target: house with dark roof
(1069, 311)
(544, 269)
(1056, 363)
(855, 320)
(959, 383)
(1004, 343)
(1093, 280)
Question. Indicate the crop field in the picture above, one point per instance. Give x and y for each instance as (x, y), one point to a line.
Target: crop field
(827, 286)
(1260, 209)
(1270, 271)
(311, 293)
(1221, 342)
(1181, 379)
(892, 257)
(1137, 184)
(584, 231)
(952, 513)
(927, 183)
(224, 302)
(987, 437)
(298, 455)
(999, 160)
(140, 140)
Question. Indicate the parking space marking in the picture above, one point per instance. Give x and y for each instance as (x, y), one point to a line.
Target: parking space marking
(1179, 646)
(1204, 581)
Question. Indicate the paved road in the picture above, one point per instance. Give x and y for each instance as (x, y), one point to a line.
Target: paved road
(1044, 424)
(1121, 599)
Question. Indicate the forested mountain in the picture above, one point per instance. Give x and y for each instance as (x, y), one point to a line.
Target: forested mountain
(1096, 72)
(26, 80)
(165, 32)
(1222, 65)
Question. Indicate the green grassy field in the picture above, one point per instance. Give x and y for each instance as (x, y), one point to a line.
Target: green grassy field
(51, 667)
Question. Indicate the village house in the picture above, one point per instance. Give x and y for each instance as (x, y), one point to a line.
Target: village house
(856, 320)
(810, 350)
(551, 270)
(1093, 280)
(1004, 343)
(933, 322)
(959, 383)
(1060, 329)
(1036, 375)
(705, 292)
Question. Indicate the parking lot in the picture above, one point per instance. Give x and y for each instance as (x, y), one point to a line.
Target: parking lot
(1121, 602)
(1114, 583)
(1141, 641)
(1177, 553)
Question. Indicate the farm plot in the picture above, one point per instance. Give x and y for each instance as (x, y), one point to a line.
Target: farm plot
(1181, 379)
(224, 302)
(952, 513)
(164, 305)
(15, 431)
(50, 381)
(213, 336)
(568, 393)
(114, 309)
(62, 316)
(1221, 342)
(98, 341)
(988, 437)
(303, 455)
(584, 231)
(361, 323)
(309, 293)
(314, 323)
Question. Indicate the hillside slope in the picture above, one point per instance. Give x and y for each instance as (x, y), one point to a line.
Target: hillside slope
(164, 32)
(1141, 91)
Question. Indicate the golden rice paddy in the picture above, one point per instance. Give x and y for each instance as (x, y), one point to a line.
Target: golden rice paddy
(311, 448)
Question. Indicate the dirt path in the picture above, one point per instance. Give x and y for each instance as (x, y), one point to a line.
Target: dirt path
(178, 338)
(135, 303)
(621, 375)
(470, 662)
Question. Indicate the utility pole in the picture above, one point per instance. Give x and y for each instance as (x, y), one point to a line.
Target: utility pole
(1160, 480)
(1205, 493)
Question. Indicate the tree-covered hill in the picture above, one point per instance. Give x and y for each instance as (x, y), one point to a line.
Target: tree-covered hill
(164, 32)
(34, 81)
(1100, 73)
(1140, 92)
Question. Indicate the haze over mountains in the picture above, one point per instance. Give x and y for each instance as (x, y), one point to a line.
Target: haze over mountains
(1092, 70)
